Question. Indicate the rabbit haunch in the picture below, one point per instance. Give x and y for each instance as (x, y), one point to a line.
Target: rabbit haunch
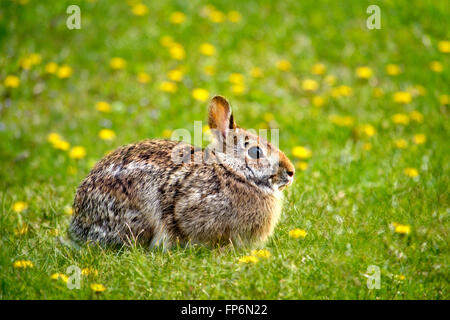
(139, 194)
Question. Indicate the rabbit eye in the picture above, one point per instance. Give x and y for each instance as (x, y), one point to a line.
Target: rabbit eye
(255, 153)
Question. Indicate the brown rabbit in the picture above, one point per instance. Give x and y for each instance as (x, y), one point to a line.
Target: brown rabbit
(154, 193)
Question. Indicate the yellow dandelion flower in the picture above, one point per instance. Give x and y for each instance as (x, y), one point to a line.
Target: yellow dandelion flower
(167, 133)
(368, 130)
(200, 94)
(268, 117)
(234, 16)
(89, 271)
(302, 165)
(297, 233)
(53, 232)
(330, 80)
(236, 78)
(341, 91)
(402, 97)
(310, 85)
(444, 99)
(400, 118)
(35, 58)
(209, 70)
(177, 51)
(25, 63)
(301, 152)
(411, 172)
(97, 287)
(168, 86)
(401, 143)
(318, 101)
(342, 121)
(19, 206)
(377, 92)
(68, 210)
(59, 276)
(51, 68)
(107, 134)
(444, 46)
(419, 138)
(238, 89)
(436, 66)
(64, 72)
(11, 81)
(400, 277)
(117, 63)
(61, 145)
(53, 137)
(177, 17)
(364, 72)
(175, 75)
(416, 116)
(256, 72)
(103, 106)
(393, 69)
(143, 77)
(284, 65)
(262, 253)
(77, 152)
(23, 264)
(139, 9)
(401, 228)
(318, 69)
(22, 230)
(248, 259)
(420, 90)
(217, 16)
(166, 41)
(207, 49)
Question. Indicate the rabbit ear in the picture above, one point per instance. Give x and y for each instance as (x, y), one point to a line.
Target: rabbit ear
(220, 116)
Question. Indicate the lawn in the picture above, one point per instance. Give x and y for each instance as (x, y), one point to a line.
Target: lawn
(362, 113)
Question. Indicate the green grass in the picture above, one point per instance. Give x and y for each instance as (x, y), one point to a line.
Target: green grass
(347, 198)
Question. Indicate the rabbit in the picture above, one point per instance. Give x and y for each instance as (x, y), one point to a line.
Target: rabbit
(142, 193)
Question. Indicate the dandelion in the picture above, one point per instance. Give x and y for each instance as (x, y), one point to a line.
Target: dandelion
(51, 68)
(175, 75)
(342, 121)
(177, 17)
(238, 89)
(416, 116)
(234, 16)
(248, 259)
(168, 86)
(53, 137)
(368, 130)
(411, 172)
(59, 276)
(22, 230)
(61, 145)
(207, 49)
(419, 138)
(143, 77)
(402, 97)
(436, 66)
(77, 152)
(401, 228)
(97, 287)
(103, 106)
(268, 117)
(310, 85)
(318, 101)
(444, 46)
(301, 152)
(107, 134)
(364, 72)
(177, 51)
(444, 99)
(256, 72)
(330, 80)
(318, 69)
(284, 65)
(23, 264)
(25, 63)
(297, 233)
(117, 63)
(166, 41)
(419, 90)
(68, 210)
(341, 91)
(54, 232)
(89, 271)
(302, 165)
(236, 78)
(217, 16)
(11, 81)
(400, 118)
(139, 9)
(19, 206)
(400, 277)
(262, 253)
(393, 69)
(64, 72)
(200, 94)
(167, 133)
(401, 143)
(209, 70)
(377, 92)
